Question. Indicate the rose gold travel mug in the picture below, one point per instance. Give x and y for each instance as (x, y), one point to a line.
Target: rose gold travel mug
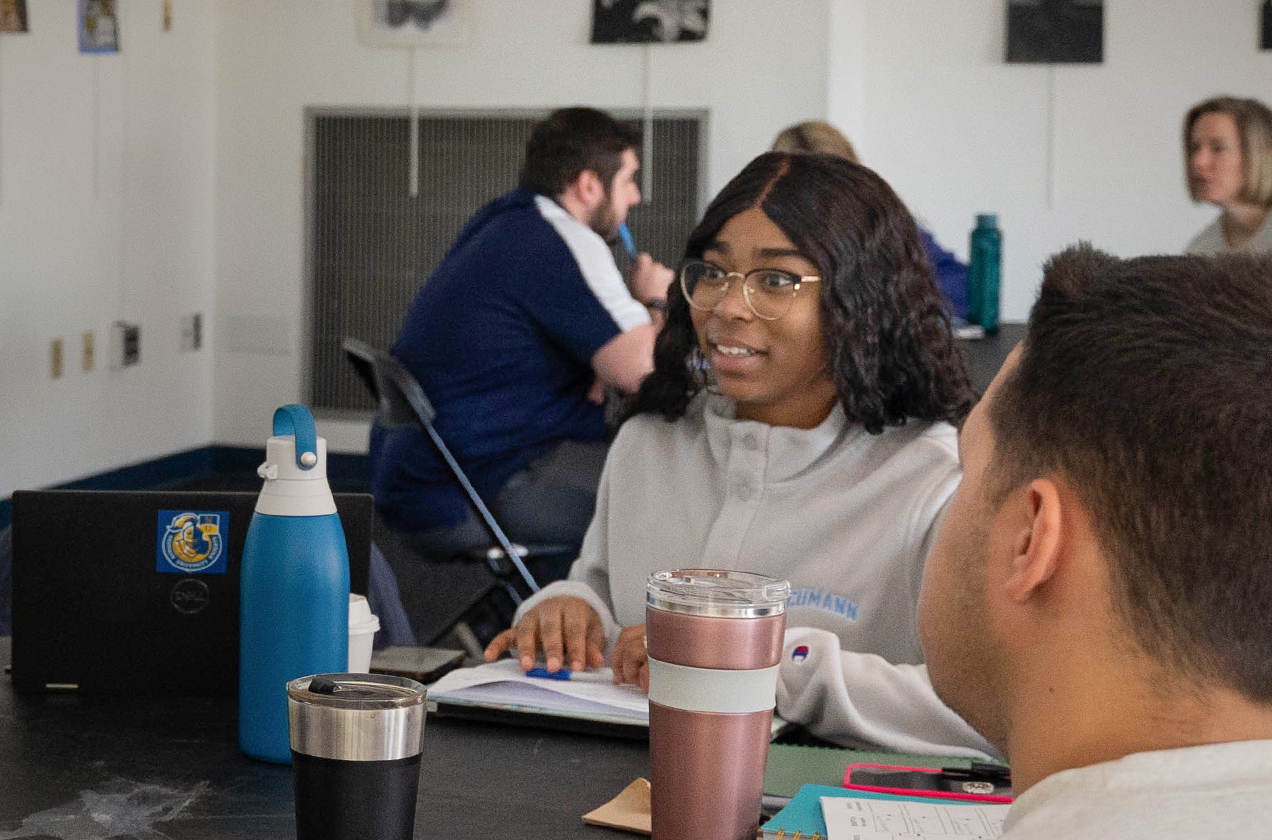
(715, 642)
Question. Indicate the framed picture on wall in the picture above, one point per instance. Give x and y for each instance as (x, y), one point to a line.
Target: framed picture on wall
(649, 21)
(13, 16)
(98, 26)
(412, 23)
(1060, 31)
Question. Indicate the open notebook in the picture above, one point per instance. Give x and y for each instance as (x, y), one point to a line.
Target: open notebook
(588, 702)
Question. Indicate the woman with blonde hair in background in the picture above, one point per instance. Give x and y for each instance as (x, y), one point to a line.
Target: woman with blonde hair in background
(818, 136)
(1228, 163)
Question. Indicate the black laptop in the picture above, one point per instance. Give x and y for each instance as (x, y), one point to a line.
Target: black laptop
(138, 591)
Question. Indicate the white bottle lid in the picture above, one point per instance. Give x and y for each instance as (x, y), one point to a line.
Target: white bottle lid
(295, 486)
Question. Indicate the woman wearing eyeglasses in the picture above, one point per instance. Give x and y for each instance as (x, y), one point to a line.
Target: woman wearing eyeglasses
(799, 423)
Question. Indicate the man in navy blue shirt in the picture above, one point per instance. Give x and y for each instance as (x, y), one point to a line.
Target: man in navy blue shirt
(515, 337)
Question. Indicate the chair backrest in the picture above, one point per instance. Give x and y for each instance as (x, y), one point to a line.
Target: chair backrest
(400, 400)
(401, 403)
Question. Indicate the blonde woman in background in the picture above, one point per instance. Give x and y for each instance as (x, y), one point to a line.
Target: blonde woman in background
(815, 136)
(818, 136)
(1228, 163)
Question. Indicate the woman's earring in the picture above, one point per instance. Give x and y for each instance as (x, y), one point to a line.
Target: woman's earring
(700, 368)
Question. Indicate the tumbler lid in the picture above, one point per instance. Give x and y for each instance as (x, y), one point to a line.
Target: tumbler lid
(356, 717)
(717, 592)
(361, 692)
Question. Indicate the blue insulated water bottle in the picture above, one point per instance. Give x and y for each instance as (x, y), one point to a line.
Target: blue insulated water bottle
(983, 272)
(294, 599)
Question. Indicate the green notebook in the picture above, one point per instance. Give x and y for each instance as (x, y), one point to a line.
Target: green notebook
(791, 766)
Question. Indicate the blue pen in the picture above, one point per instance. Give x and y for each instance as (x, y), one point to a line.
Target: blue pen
(542, 673)
(628, 242)
(565, 674)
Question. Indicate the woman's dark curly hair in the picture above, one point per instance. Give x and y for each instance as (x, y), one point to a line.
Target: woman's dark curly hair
(889, 342)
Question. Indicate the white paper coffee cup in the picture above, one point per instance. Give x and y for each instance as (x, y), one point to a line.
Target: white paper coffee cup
(362, 628)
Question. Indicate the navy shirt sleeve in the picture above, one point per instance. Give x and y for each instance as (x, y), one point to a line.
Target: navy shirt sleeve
(501, 339)
(584, 302)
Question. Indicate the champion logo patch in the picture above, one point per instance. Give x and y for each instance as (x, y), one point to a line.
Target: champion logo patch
(799, 654)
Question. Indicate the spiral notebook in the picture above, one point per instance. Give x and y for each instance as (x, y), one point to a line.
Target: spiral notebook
(499, 691)
(587, 702)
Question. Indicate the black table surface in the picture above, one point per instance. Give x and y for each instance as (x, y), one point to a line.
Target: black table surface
(97, 767)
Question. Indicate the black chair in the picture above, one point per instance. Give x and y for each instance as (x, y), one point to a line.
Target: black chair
(401, 402)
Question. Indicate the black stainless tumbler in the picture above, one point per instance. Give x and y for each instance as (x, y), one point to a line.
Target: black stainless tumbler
(356, 741)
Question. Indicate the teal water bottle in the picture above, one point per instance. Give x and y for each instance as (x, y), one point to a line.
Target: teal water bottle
(984, 271)
(294, 594)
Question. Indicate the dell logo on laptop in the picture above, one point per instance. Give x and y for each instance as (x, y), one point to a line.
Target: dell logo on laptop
(189, 596)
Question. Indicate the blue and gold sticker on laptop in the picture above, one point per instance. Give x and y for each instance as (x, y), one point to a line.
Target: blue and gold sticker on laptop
(192, 541)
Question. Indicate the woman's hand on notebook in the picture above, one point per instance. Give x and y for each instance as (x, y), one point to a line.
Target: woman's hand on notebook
(566, 629)
(630, 659)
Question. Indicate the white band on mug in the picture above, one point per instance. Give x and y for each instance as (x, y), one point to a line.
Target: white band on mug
(712, 689)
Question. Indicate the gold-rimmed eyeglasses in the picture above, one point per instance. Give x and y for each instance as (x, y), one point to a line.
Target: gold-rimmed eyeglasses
(768, 291)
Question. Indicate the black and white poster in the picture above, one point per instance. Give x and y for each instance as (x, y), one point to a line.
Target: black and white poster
(1059, 31)
(649, 21)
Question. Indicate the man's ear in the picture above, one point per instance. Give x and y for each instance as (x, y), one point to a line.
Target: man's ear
(1037, 541)
(590, 188)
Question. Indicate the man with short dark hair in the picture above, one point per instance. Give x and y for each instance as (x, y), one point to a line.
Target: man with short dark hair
(523, 324)
(1099, 600)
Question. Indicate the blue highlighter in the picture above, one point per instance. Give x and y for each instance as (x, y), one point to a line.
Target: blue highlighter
(628, 242)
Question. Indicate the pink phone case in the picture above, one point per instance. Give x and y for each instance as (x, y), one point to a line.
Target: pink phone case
(936, 794)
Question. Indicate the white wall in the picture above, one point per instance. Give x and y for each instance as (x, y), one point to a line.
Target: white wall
(273, 62)
(106, 166)
(922, 89)
(169, 179)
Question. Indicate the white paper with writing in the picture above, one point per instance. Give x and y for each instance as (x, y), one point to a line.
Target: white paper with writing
(849, 818)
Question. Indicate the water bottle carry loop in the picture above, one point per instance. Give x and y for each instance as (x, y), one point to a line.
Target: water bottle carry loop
(295, 419)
